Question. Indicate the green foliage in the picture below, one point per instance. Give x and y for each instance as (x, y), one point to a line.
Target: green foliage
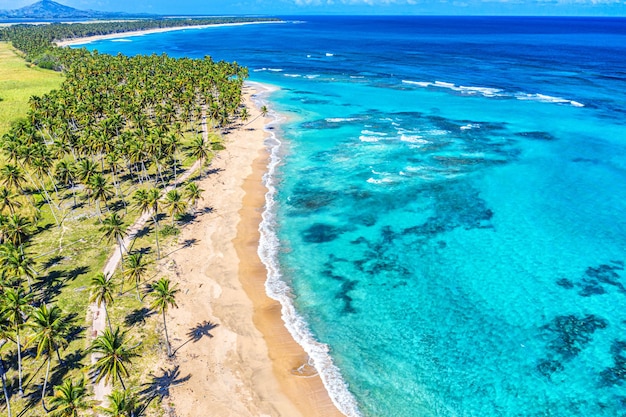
(169, 230)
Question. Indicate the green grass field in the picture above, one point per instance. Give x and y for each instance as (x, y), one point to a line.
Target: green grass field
(18, 82)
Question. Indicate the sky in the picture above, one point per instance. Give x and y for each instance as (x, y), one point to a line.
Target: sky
(356, 7)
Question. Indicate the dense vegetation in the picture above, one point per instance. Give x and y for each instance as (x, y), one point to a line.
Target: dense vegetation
(113, 142)
(36, 40)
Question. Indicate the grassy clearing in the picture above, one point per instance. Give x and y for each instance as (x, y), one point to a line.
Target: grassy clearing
(18, 82)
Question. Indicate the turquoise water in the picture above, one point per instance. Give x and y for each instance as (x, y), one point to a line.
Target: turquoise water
(449, 206)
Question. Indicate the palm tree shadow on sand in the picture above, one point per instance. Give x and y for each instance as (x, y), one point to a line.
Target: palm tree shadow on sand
(159, 385)
(197, 332)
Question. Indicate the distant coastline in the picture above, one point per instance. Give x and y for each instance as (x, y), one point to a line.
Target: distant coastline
(89, 39)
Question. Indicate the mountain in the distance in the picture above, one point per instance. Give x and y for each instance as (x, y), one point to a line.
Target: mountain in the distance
(48, 9)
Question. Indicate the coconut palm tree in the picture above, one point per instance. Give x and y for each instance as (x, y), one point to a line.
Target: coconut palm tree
(115, 357)
(51, 327)
(102, 292)
(69, 399)
(164, 297)
(12, 176)
(148, 202)
(8, 199)
(113, 228)
(122, 404)
(174, 204)
(17, 229)
(198, 149)
(135, 270)
(15, 310)
(65, 173)
(193, 193)
(15, 263)
(99, 189)
(7, 400)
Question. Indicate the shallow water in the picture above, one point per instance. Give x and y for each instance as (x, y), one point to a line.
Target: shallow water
(450, 205)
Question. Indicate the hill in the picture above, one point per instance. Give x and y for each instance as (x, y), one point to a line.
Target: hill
(49, 9)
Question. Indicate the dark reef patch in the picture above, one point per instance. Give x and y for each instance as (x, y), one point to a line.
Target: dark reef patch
(454, 208)
(568, 336)
(537, 135)
(565, 283)
(305, 199)
(616, 374)
(321, 233)
(597, 280)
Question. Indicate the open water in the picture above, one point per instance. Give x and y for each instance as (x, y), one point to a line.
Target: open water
(447, 206)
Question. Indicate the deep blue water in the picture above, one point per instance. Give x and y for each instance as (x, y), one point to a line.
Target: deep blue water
(450, 204)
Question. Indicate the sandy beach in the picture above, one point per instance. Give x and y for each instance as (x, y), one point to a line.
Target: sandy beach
(246, 365)
(88, 39)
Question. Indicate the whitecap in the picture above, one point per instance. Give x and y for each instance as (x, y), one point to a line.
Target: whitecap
(544, 98)
(470, 126)
(372, 133)
(293, 75)
(363, 138)
(380, 181)
(121, 40)
(419, 83)
(413, 139)
(329, 54)
(340, 119)
(311, 76)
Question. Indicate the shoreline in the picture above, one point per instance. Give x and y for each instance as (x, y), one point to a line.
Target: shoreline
(247, 365)
(89, 39)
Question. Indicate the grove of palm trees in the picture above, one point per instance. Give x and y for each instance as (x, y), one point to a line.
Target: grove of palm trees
(120, 139)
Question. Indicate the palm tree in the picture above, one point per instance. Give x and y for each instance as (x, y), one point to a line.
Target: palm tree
(174, 204)
(263, 113)
(115, 357)
(99, 189)
(121, 404)
(193, 193)
(198, 149)
(148, 202)
(69, 399)
(135, 270)
(15, 309)
(164, 297)
(15, 263)
(85, 169)
(17, 229)
(8, 199)
(51, 328)
(113, 228)
(65, 173)
(12, 176)
(3, 341)
(102, 292)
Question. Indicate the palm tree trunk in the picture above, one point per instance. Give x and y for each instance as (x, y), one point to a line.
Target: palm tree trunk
(19, 361)
(156, 226)
(106, 313)
(120, 244)
(4, 384)
(45, 383)
(137, 288)
(167, 338)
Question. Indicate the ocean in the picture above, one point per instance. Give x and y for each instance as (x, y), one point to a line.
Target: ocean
(446, 222)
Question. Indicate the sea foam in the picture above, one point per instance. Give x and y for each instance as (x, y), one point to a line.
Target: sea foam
(491, 92)
(279, 290)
